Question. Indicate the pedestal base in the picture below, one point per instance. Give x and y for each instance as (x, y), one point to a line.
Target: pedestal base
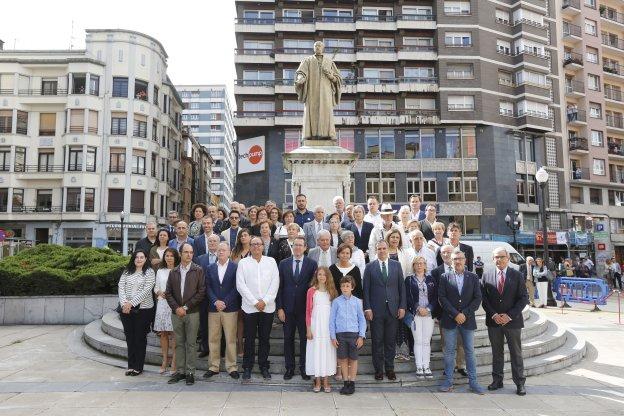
(321, 170)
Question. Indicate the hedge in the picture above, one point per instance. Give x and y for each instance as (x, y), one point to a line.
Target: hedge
(48, 269)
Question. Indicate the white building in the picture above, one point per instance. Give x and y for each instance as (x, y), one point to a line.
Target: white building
(85, 135)
(208, 114)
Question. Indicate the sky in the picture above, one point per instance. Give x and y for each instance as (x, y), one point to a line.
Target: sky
(197, 35)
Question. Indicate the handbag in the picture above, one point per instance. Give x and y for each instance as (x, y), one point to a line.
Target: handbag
(133, 310)
(408, 318)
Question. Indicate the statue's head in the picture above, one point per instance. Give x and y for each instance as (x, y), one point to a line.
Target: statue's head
(319, 47)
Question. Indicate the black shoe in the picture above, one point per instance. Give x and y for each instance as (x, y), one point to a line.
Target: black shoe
(234, 374)
(266, 375)
(463, 372)
(288, 374)
(391, 375)
(378, 376)
(495, 385)
(345, 388)
(175, 378)
(520, 390)
(210, 373)
(304, 376)
(203, 354)
(247, 374)
(351, 387)
(190, 379)
(129, 372)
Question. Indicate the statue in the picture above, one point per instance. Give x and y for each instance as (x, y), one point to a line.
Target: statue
(318, 83)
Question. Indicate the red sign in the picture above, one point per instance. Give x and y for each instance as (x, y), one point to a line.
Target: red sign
(602, 246)
(539, 238)
(255, 154)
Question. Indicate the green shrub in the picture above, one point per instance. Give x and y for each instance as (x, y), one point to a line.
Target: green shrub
(57, 270)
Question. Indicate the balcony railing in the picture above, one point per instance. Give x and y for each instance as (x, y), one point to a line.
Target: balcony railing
(254, 114)
(578, 143)
(254, 82)
(570, 29)
(572, 58)
(36, 209)
(47, 133)
(335, 19)
(616, 149)
(295, 20)
(613, 69)
(533, 113)
(295, 51)
(417, 17)
(254, 21)
(21, 130)
(76, 129)
(38, 168)
(615, 121)
(573, 114)
(580, 173)
(613, 94)
(252, 51)
(612, 15)
(575, 4)
(334, 49)
(572, 86)
(417, 48)
(58, 92)
(613, 42)
(419, 80)
(379, 49)
(375, 18)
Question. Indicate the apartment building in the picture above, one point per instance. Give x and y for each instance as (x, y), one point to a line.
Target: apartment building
(196, 170)
(457, 101)
(86, 135)
(593, 62)
(208, 115)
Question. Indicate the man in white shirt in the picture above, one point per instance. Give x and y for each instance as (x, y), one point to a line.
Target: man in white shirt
(373, 216)
(312, 228)
(421, 249)
(257, 281)
(380, 231)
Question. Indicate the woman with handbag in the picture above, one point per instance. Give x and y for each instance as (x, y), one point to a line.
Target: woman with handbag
(135, 308)
(540, 272)
(421, 294)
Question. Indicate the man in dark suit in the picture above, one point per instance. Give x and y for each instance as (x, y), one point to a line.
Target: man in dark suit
(454, 233)
(223, 305)
(430, 218)
(460, 297)
(185, 291)
(361, 229)
(295, 273)
(146, 243)
(384, 307)
(172, 218)
(200, 243)
(204, 261)
(504, 298)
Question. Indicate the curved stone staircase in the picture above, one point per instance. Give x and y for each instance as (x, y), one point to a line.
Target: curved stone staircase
(546, 347)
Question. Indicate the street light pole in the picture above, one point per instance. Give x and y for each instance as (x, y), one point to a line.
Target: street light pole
(513, 223)
(124, 240)
(542, 178)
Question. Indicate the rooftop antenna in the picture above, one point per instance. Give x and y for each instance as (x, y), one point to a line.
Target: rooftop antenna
(71, 38)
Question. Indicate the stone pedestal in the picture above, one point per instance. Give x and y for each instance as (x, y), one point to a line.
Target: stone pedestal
(321, 170)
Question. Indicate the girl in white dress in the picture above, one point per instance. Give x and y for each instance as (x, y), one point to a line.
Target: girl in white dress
(320, 353)
(162, 320)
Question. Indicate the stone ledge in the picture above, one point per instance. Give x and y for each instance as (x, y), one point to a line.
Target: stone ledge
(54, 310)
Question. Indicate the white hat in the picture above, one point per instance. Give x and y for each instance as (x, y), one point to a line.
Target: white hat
(386, 209)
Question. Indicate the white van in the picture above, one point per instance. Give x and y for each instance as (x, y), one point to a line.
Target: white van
(485, 248)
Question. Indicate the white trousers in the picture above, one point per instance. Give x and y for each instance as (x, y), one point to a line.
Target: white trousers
(542, 292)
(422, 329)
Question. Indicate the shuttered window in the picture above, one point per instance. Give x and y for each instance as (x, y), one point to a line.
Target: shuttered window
(47, 124)
(76, 122)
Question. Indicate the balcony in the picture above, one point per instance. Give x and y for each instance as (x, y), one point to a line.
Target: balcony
(254, 118)
(294, 55)
(36, 92)
(375, 22)
(572, 58)
(336, 23)
(532, 57)
(295, 24)
(612, 16)
(36, 209)
(534, 120)
(572, 32)
(571, 7)
(615, 122)
(612, 69)
(254, 25)
(616, 150)
(579, 174)
(417, 53)
(613, 42)
(613, 95)
(578, 144)
(576, 116)
(616, 176)
(38, 168)
(254, 86)
(418, 84)
(376, 53)
(254, 56)
(416, 21)
(341, 54)
(398, 117)
(573, 87)
(379, 85)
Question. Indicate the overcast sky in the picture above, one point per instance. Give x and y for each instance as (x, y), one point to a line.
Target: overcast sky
(197, 35)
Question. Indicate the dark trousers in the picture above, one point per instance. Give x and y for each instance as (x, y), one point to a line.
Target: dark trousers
(203, 326)
(383, 333)
(295, 322)
(617, 280)
(135, 326)
(497, 337)
(258, 323)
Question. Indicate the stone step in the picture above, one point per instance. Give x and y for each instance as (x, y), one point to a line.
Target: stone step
(549, 340)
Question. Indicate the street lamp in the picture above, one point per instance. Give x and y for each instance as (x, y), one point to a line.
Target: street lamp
(542, 178)
(124, 240)
(513, 223)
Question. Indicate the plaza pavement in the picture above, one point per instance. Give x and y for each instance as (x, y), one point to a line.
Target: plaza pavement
(46, 370)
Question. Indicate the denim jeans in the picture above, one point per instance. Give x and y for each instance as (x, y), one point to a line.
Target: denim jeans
(450, 341)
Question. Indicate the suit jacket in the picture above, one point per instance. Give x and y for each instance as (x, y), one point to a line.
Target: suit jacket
(379, 295)
(226, 236)
(361, 241)
(467, 250)
(310, 233)
(225, 291)
(194, 288)
(412, 294)
(513, 300)
(437, 273)
(453, 302)
(203, 261)
(315, 254)
(273, 252)
(174, 243)
(144, 244)
(291, 295)
(199, 245)
(425, 227)
(283, 250)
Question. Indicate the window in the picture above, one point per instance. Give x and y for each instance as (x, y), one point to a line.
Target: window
(94, 85)
(595, 110)
(140, 126)
(616, 198)
(115, 200)
(533, 78)
(460, 102)
(378, 75)
(532, 109)
(18, 199)
(530, 148)
(79, 83)
(460, 71)
(452, 143)
(429, 190)
(413, 185)
(599, 167)
(22, 123)
(4, 199)
(530, 47)
(377, 14)
(258, 15)
(75, 159)
(420, 104)
(140, 90)
(47, 124)
(505, 78)
(49, 86)
(119, 124)
(379, 144)
(457, 7)
(420, 144)
(502, 46)
(469, 142)
(454, 189)
(576, 195)
(258, 46)
(590, 27)
(6, 121)
(380, 43)
(298, 45)
(502, 16)
(155, 98)
(44, 200)
(138, 162)
(257, 77)
(118, 160)
(259, 107)
(591, 54)
(375, 106)
(597, 138)
(93, 122)
(45, 161)
(505, 108)
(593, 82)
(73, 200)
(337, 15)
(76, 123)
(595, 196)
(20, 159)
(590, 3)
(527, 16)
(346, 139)
(5, 159)
(292, 140)
(120, 87)
(385, 183)
(296, 16)
(470, 188)
(91, 158)
(457, 39)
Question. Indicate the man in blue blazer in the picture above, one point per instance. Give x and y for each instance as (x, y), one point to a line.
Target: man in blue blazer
(200, 242)
(459, 293)
(204, 261)
(223, 305)
(384, 306)
(295, 274)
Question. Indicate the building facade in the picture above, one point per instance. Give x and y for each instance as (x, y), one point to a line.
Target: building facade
(196, 174)
(457, 101)
(86, 135)
(208, 115)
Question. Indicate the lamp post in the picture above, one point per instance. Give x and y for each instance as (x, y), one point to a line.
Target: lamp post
(542, 178)
(513, 223)
(124, 240)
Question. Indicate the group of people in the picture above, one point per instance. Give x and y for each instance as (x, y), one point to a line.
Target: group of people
(327, 277)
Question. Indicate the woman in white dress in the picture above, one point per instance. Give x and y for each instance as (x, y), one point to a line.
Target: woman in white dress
(320, 353)
(162, 320)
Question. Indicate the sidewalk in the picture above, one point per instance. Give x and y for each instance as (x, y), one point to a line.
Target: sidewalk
(40, 374)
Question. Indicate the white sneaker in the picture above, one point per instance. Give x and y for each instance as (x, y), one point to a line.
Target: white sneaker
(428, 373)
(420, 372)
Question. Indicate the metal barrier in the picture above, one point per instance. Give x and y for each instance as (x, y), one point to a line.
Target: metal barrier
(581, 290)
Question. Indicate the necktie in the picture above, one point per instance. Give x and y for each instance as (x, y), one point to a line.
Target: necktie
(501, 282)
(297, 270)
(384, 271)
(318, 227)
(325, 261)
